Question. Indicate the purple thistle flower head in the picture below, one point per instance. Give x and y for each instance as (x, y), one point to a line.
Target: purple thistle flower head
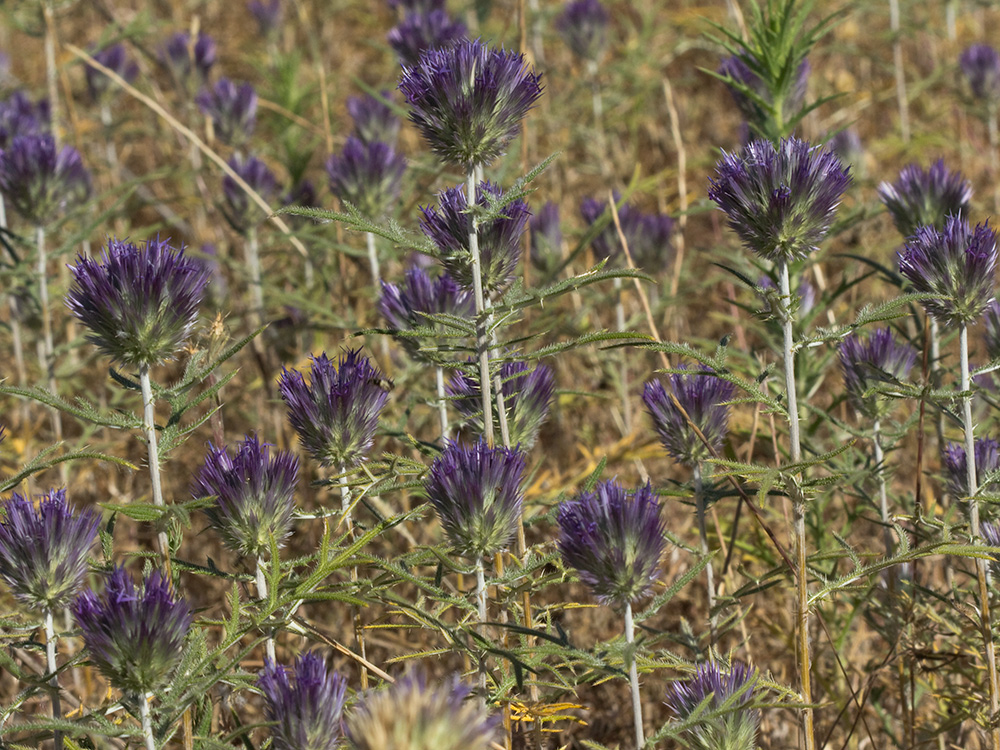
(614, 539)
(374, 120)
(955, 466)
(336, 413)
(499, 238)
(366, 175)
(528, 396)
(240, 212)
(41, 180)
(134, 634)
(307, 712)
(991, 538)
(468, 101)
(268, 14)
(703, 396)
(21, 116)
(188, 62)
(476, 492)
(420, 31)
(780, 199)
(740, 69)
(583, 25)
(925, 198)
(880, 359)
(729, 691)
(546, 237)
(254, 493)
(43, 550)
(417, 715)
(140, 303)
(232, 109)
(981, 65)
(958, 264)
(408, 306)
(991, 320)
(116, 59)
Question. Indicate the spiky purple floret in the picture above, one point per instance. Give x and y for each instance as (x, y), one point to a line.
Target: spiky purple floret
(367, 175)
(955, 467)
(40, 179)
(239, 209)
(528, 396)
(781, 199)
(476, 492)
(468, 100)
(449, 224)
(420, 31)
(703, 395)
(991, 538)
(186, 60)
(232, 109)
(115, 59)
(412, 714)
(21, 116)
(43, 550)
(307, 711)
(139, 302)
(267, 14)
(737, 728)
(991, 332)
(408, 306)
(583, 25)
(740, 68)
(135, 635)
(614, 539)
(374, 120)
(336, 413)
(925, 198)
(981, 65)
(546, 236)
(879, 359)
(606, 243)
(958, 264)
(254, 495)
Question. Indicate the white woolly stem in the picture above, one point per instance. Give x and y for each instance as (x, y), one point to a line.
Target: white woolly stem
(897, 61)
(597, 104)
(50, 660)
(48, 351)
(699, 499)
(153, 452)
(481, 603)
(377, 283)
(482, 348)
(442, 403)
(262, 594)
(359, 633)
(147, 723)
(935, 366)
(883, 500)
(498, 387)
(633, 678)
(256, 284)
(622, 360)
(110, 149)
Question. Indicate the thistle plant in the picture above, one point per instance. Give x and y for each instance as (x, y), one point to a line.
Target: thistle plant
(725, 696)
(614, 539)
(135, 636)
(232, 109)
(922, 197)
(19, 115)
(254, 500)
(956, 469)
(780, 199)
(753, 96)
(140, 304)
(306, 711)
(424, 30)
(416, 714)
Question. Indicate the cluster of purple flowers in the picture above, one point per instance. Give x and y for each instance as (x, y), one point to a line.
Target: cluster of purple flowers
(306, 711)
(727, 694)
(987, 454)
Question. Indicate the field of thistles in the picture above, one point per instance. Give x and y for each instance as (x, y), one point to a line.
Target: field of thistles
(470, 374)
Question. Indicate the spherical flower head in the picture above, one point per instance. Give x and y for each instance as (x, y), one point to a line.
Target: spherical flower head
(254, 495)
(420, 31)
(374, 120)
(607, 244)
(239, 210)
(499, 239)
(115, 59)
(134, 634)
(306, 711)
(188, 62)
(955, 466)
(468, 100)
(43, 550)
(409, 306)
(366, 175)
(336, 413)
(139, 302)
(704, 397)
(925, 197)
(527, 394)
(957, 263)
(981, 65)
(879, 359)
(614, 540)
(415, 715)
(21, 116)
(991, 320)
(583, 25)
(780, 199)
(740, 69)
(232, 109)
(41, 180)
(268, 15)
(546, 237)
(731, 690)
(476, 492)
